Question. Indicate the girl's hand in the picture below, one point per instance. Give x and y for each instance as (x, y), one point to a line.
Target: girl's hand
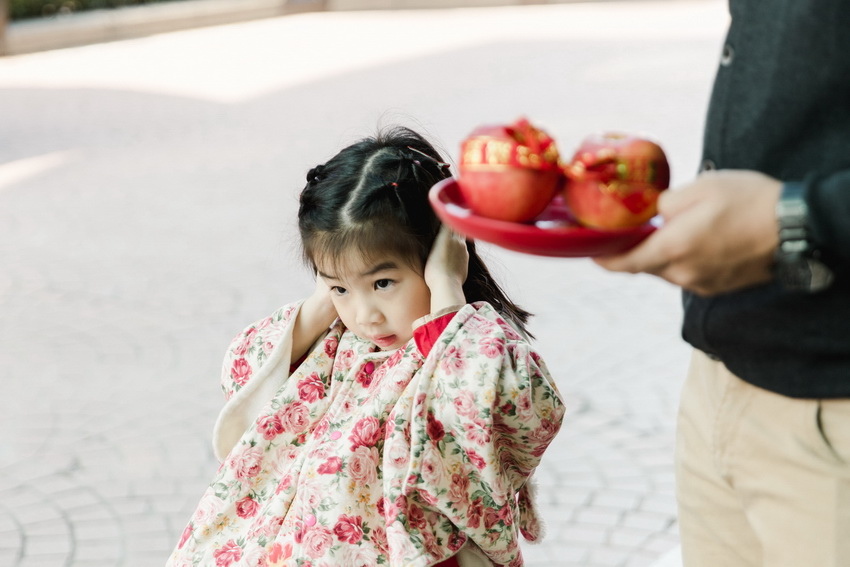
(316, 315)
(446, 269)
(321, 304)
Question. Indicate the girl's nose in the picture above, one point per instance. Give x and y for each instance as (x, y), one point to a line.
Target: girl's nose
(369, 314)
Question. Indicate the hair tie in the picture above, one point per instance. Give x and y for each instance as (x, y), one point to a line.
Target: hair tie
(444, 167)
(416, 160)
(316, 174)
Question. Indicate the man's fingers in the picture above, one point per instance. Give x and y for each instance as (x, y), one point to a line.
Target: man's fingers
(645, 257)
(653, 254)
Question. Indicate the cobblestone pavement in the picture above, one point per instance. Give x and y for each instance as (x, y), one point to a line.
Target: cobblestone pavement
(147, 204)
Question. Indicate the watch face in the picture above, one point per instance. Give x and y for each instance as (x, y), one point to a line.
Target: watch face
(820, 277)
(803, 274)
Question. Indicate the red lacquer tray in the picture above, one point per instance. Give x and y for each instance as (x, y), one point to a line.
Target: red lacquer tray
(553, 233)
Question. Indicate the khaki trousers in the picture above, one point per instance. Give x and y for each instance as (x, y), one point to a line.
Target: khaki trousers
(762, 479)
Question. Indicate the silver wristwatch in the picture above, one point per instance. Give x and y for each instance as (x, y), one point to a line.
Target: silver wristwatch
(797, 263)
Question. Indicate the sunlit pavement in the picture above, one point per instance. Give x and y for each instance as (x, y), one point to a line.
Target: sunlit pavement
(147, 209)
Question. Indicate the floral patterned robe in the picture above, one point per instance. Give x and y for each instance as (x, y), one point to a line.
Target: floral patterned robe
(363, 458)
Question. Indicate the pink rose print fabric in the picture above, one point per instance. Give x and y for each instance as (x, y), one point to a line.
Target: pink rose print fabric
(363, 458)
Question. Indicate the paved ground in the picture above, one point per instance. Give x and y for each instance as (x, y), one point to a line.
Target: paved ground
(147, 204)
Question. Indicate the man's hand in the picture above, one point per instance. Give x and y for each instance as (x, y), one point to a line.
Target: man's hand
(446, 269)
(719, 234)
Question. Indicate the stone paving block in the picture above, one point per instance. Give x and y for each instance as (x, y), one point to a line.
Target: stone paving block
(605, 517)
(146, 560)
(571, 497)
(151, 544)
(659, 442)
(605, 557)
(659, 503)
(12, 548)
(618, 499)
(41, 561)
(12, 537)
(659, 460)
(659, 543)
(80, 499)
(586, 534)
(535, 554)
(56, 483)
(96, 467)
(554, 522)
(621, 437)
(631, 484)
(566, 464)
(624, 472)
(663, 477)
(665, 489)
(7, 524)
(177, 522)
(170, 505)
(586, 483)
(157, 487)
(52, 528)
(672, 530)
(100, 551)
(101, 512)
(629, 538)
(144, 524)
(37, 512)
(18, 495)
(9, 556)
(97, 530)
(191, 489)
(10, 530)
(115, 490)
(564, 553)
(648, 521)
(53, 545)
(639, 559)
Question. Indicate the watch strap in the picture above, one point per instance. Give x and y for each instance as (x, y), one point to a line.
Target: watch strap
(798, 267)
(792, 214)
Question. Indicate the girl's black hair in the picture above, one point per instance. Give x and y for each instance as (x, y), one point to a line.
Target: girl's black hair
(372, 199)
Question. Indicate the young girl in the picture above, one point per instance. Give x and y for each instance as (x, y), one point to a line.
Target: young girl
(393, 417)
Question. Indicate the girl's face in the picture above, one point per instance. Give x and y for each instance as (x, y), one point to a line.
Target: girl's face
(378, 299)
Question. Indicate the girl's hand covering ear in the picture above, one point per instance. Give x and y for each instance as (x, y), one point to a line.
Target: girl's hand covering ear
(446, 269)
(316, 315)
(320, 303)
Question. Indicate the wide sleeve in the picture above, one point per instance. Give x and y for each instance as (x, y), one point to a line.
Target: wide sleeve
(482, 411)
(255, 365)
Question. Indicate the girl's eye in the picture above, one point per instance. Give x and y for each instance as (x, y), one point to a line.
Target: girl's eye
(383, 284)
(338, 290)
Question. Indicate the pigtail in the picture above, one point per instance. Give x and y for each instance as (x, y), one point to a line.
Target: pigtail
(480, 285)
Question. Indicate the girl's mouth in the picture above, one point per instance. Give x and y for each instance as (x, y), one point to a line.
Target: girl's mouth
(384, 341)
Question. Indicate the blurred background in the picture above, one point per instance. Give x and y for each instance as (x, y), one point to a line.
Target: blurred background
(150, 161)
